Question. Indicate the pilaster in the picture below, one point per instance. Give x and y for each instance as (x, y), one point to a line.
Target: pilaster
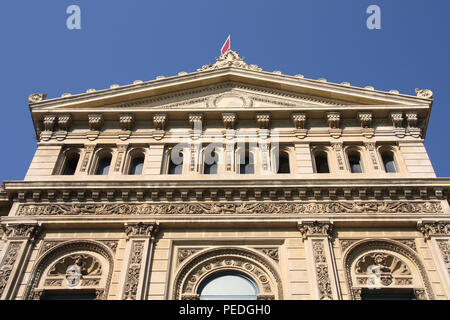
(317, 238)
(21, 239)
(338, 148)
(437, 236)
(141, 239)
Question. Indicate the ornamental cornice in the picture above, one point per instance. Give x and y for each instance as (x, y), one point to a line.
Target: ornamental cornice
(289, 190)
(191, 96)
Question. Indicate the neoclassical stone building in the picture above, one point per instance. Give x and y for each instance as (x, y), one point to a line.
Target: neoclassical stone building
(228, 182)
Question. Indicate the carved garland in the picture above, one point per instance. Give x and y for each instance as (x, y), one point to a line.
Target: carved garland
(132, 280)
(232, 208)
(205, 264)
(385, 244)
(323, 278)
(445, 251)
(8, 263)
(61, 249)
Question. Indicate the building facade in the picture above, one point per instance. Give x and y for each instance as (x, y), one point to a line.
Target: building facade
(228, 182)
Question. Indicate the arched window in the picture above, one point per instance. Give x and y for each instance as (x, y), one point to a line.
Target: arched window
(385, 270)
(210, 162)
(136, 165)
(355, 163)
(284, 165)
(104, 163)
(388, 161)
(71, 163)
(228, 286)
(247, 164)
(82, 269)
(321, 162)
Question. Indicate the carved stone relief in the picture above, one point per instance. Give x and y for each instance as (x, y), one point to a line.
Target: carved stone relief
(271, 252)
(323, 277)
(184, 253)
(63, 266)
(422, 207)
(22, 231)
(445, 251)
(375, 260)
(434, 228)
(8, 263)
(382, 269)
(134, 268)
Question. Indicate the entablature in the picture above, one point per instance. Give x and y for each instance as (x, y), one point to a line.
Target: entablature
(366, 192)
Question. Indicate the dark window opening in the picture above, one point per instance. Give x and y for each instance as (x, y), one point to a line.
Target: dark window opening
(137, 165)
(75, 295)
(321, 164)
(389, 163)
(284, 166)
(175, 168)
(248, 166)
(71, 165)
(355, 163)
(210, 168)
(103, 166)
(383, 294)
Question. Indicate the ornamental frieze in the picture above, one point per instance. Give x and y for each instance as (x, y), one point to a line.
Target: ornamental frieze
(423, 207)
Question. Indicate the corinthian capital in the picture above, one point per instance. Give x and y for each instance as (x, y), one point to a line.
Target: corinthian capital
(142, 230)
(22, 231)
(315, 228)
(439, 228)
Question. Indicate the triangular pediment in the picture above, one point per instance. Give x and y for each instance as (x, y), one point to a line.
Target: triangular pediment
(229, 83)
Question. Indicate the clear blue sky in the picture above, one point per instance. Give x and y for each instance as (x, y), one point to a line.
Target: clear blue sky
(122, 41)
